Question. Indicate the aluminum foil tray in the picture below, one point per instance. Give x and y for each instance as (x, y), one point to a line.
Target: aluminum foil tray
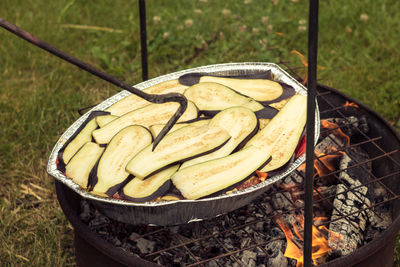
(181, 211)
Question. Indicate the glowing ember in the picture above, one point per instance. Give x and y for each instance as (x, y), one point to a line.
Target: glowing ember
(336, 130)
(294, 238)
(350, 104)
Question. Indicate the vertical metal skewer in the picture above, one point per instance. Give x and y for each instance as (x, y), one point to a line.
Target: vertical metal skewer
(311, 85)
(143, 39)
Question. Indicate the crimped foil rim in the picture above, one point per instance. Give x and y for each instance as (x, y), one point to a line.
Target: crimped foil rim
(279, 74)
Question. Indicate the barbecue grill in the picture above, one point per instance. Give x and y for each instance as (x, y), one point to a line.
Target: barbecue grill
(382, 144)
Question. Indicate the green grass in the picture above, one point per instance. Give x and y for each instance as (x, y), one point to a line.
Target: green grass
(40, 94)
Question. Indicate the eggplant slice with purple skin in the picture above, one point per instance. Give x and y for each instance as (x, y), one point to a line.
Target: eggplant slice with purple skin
(81, 136)
(133, 102)
(103, 120)
(214, 96)
(260, 86)
(240, 122)
(156, 129)
(288, 92)
(181, 145)
(111, 173)
(282, 133)
(212, 176)
(80, 166)
(145, 116)
(193, 78)
(138, 190)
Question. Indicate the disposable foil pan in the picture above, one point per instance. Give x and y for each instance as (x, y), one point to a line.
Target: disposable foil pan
(180, 211)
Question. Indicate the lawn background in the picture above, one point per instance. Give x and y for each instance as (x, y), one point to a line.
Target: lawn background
(40, 95)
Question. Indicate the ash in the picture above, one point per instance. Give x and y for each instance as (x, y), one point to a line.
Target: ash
(251, 236)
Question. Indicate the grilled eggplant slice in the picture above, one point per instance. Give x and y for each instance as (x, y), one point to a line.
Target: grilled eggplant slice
(156, 129)
(282, 133)
(138, 190)
(103, 120)
(146, 116)
(133, 102)
(206, 178)
(288, 92)
(240, 122)
(258, 89)
(194, 77)
(80, 166)
(214, 97)
(82, 135)
(124, 145)
(183, 144)
(263, 123)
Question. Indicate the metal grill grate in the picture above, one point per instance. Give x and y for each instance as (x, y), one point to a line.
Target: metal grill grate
(182, 244)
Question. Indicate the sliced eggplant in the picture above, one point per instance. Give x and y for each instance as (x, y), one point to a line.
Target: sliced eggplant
(282, 133)
(213, 97)
(258, 89)
(183, 144)
(156, 129)
(263, 123)
(82, 163)
(193, 78)
(103, 120)
(121, 149)
(82, 135)
(138, 190)
(240, 122)
(287, 92)
(133, 102)
(145, 116)
(206, 178)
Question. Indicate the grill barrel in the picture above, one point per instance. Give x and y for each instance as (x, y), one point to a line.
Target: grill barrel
(382, 144)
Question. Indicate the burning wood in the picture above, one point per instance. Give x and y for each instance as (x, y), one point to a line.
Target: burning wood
(351, 196)
(295, 238)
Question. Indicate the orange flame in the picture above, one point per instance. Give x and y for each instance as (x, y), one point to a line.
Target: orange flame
(350, 104)
(320, 237)
(337, 131)
(305, 64)
(325, 164)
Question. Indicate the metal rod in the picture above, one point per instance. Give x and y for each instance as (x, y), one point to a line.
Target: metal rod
(311, 85)
(143, 39)
(170, 97)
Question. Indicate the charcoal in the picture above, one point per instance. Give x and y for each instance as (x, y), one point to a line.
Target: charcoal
(378, 224)
(278, 261)
(145, 246)
(212, 264)
(281, 201)
(273, 248)
(351, 125)
(294, 178)
(259, 226)
(99, 221)
(245, 242)
(249, 258)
